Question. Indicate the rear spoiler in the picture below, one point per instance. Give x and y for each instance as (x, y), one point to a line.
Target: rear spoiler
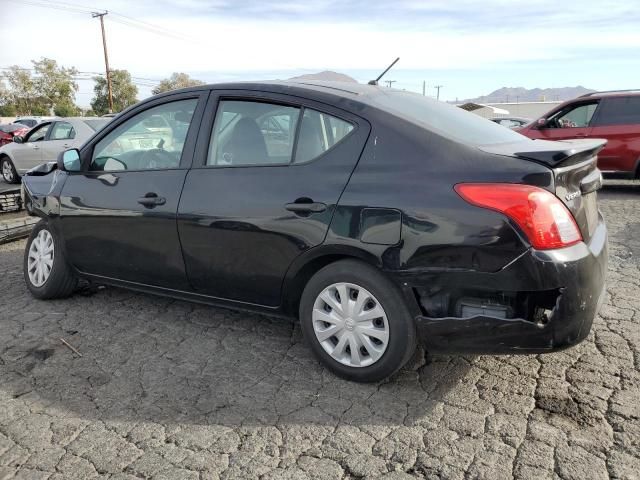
(552, 154)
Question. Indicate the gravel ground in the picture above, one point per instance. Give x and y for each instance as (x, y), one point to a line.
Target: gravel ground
(166, 389)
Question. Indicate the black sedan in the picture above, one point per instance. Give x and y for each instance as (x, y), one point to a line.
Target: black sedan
(379, 218)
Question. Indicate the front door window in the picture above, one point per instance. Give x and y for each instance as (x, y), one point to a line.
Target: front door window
(152, 139)
(577, 117)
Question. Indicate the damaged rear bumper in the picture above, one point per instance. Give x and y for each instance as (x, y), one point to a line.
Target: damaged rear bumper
(559, 291)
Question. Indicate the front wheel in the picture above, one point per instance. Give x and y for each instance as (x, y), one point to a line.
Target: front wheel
(46, 271)
(9, 173)
(356, 321)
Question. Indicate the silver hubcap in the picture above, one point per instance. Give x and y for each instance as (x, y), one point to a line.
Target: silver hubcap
(40, 260)
(7, 172)
(350, 324)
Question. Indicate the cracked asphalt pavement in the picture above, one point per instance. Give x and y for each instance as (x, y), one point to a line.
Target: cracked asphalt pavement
(170, 390)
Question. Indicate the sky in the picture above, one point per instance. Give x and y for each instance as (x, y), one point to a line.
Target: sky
(469, 47)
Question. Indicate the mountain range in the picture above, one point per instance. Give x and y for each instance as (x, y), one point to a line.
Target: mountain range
(326, 76)
(502, 95)
(520, 94)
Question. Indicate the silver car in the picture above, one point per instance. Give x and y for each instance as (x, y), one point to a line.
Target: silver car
(44, 142)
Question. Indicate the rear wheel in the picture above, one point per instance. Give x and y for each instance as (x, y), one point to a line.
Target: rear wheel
(9, 173)
(46, 271)
(356, 321)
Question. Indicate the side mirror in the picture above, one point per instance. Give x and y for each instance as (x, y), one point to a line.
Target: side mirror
(18, 139)
(541, 123)
(69, 160)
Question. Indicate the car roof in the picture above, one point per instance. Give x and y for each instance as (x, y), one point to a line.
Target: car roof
(345, 94)
(611, 93)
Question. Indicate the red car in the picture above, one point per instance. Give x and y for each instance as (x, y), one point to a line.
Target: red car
(10, 130)
(614, 116)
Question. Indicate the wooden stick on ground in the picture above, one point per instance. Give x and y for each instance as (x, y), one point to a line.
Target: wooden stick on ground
(70, 347)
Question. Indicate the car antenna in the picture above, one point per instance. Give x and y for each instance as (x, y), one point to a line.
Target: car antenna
(375, 82)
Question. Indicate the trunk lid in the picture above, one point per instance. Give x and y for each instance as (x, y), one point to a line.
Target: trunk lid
(577, 177)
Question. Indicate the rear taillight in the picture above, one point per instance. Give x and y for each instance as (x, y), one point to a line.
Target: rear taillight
(541, 215)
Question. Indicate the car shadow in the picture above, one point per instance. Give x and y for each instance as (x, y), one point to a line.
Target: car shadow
(151, 359)
(620, 187)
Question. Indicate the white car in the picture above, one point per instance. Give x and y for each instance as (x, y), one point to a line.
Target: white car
(33, 121)
(44, 142)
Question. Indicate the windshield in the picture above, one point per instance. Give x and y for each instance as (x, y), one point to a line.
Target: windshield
(96, 124)
(444, 119)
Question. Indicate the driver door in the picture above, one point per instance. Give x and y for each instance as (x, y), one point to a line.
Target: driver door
(118, 215)
(29, 154)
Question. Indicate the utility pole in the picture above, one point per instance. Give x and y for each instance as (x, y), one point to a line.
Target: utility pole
(424, 88)
(106, 57)
(390, 82)
(438, 87)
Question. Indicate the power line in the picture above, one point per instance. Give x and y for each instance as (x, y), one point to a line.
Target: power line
(115, 17)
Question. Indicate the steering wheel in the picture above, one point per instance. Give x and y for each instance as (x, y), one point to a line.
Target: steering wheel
(157, 158)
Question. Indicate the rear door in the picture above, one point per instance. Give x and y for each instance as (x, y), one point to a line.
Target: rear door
(118, 215)
(268, 173)
(618, 121)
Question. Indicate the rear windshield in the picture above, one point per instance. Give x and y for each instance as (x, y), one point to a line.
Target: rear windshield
(444, 119)
(97, 123)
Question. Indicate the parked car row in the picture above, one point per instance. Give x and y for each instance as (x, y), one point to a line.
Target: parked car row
(44, 142)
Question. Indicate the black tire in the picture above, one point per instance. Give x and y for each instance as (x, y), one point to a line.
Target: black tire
(402, 331)
(61, 281)
(8, 170)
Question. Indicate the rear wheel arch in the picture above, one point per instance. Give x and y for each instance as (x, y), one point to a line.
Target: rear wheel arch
(304, 268)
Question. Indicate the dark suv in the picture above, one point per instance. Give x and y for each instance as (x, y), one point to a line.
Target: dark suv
(377, 217)
(614, 116)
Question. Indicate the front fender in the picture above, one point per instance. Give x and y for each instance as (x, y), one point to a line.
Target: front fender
(41, 192)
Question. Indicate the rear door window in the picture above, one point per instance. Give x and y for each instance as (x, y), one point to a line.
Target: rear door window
(252, 133)
(62, 131)
(619, 111)
(318, 133)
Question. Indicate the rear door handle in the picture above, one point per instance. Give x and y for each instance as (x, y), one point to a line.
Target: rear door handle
(151, 200)
(311, 207)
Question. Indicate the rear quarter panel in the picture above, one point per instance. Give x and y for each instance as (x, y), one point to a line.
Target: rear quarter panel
(413, 171)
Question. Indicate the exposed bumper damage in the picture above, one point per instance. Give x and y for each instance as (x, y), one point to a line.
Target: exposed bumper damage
(543, 301)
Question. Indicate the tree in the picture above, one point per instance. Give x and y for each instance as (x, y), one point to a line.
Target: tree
(50, 85)
(21, 91)
(123, 90)
(66, 110)
(55, 85)
(175, 81)
(8, 110)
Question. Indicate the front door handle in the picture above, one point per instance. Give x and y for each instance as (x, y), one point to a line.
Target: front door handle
(310, 207)
(152, 199)
(35, 147)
